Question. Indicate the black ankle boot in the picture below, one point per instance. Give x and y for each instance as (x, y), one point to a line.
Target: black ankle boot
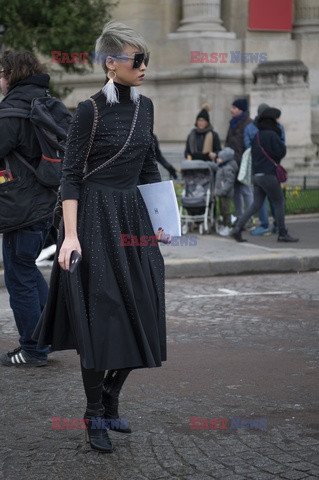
(236, 234)
(285, 237)
(112, 385)
(96, 429)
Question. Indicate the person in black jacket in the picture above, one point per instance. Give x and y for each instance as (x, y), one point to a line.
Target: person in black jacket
(203, 142)
(22, 79)
(235, 140)
(264, 173)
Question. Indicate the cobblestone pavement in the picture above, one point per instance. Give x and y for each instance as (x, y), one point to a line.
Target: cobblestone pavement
(243, 347)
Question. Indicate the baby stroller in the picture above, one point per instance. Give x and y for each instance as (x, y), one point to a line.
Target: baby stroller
(197, 202)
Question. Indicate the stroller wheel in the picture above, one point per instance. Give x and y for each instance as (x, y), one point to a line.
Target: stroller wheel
(201, 228)
(184, 229)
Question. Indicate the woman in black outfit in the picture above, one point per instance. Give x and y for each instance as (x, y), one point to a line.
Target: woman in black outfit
(264, 173)
(123, 286)
(203, 142)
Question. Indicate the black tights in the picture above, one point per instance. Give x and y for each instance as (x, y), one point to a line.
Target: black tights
(93, 382)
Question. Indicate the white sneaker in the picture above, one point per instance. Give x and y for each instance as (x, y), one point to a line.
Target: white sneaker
(224, 231)
(46, 253)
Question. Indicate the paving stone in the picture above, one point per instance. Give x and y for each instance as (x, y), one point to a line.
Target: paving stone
(225, 354)
(301, 466)
(293, 475)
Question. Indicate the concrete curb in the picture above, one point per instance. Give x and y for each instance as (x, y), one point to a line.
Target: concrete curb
(274, 262)
(262, 263)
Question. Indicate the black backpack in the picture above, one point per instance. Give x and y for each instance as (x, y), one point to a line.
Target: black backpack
(51, 120)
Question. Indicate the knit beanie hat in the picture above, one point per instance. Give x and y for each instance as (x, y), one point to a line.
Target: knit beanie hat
(271, 112)
(262, 107)
(226, 154)
(204, 113)
(241, 103)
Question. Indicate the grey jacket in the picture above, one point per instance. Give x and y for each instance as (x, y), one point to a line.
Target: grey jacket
(225, 177)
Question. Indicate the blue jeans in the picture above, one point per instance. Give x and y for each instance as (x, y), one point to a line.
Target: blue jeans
(25, 283)
(242, 192)
(263, 213)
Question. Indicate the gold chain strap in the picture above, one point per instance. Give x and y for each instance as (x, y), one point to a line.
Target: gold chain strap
(126, 144)
(58, 211)
(94, 127)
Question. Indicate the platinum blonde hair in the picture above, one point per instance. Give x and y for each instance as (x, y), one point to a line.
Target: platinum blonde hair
(114, 39)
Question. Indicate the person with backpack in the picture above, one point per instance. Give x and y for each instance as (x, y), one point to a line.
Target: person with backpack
(107, 298)
(26, 222)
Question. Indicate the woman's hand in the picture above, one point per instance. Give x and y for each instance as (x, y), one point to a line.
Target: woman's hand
(69, 244)
(162, 237)
(212, 155)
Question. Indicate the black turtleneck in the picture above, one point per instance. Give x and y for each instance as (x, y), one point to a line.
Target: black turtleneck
(114, 124)
(124, 93)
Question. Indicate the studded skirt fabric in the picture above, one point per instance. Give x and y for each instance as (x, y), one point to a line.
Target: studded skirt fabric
(119, 304)
(112, 310)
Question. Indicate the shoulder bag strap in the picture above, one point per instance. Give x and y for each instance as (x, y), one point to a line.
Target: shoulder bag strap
(14, 112)
(23, 160)
(126, 144)
(264, 151)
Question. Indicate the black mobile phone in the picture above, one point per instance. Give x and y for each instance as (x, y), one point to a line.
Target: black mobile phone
(75, 259)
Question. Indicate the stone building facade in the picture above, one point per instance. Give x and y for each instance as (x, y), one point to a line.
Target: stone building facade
(180, 81)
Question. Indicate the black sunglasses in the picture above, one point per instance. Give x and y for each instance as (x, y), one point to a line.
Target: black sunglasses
(138, 59)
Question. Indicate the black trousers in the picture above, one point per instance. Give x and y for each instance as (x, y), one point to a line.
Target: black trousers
(266, 185)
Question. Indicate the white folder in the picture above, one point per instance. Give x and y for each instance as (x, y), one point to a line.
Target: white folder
(161, 203)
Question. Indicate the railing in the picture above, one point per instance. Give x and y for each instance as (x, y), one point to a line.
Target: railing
(301, 195)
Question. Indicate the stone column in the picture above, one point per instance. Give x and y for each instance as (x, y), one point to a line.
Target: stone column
(306, 17)
(203, 16)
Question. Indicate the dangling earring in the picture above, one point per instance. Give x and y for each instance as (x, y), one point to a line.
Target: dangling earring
(134, 94)
(110, 90)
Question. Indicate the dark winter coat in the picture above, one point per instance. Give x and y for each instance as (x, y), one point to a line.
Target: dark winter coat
(225, 177)
(274, 147)
(235, 137)
(197, 136)
(18, 134)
